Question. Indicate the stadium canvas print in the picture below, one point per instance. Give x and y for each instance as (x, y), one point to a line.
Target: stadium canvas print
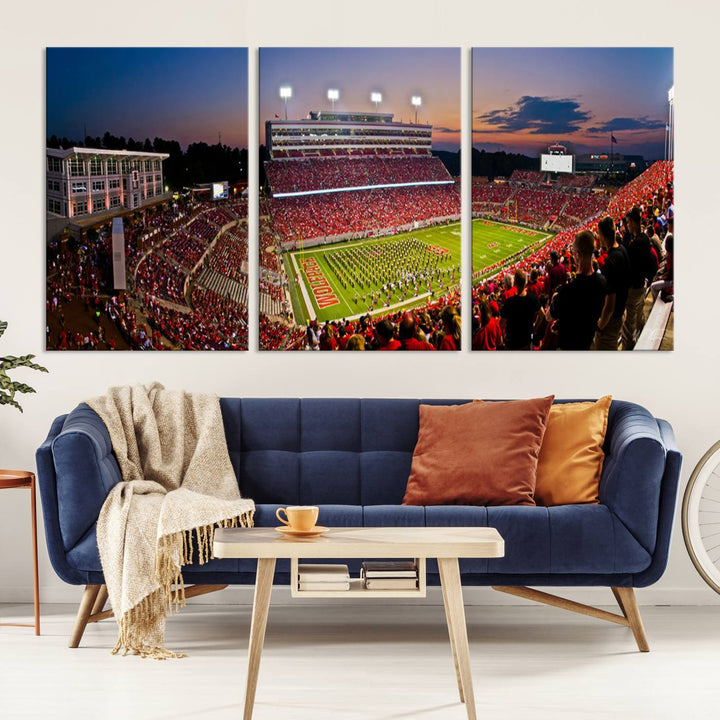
(572, 199)
(360, 204)
(147, 198)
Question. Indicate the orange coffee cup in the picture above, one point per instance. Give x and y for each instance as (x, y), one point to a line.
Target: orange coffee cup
(299, 517)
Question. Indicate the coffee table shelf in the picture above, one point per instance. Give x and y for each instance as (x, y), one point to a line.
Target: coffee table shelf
(357, 590)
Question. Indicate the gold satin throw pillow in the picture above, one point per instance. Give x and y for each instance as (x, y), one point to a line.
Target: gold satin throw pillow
(571, 457)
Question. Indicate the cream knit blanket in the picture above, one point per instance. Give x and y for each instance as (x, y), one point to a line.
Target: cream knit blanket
(178, 483)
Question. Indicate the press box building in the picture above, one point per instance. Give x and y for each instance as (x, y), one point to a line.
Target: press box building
(87, 181)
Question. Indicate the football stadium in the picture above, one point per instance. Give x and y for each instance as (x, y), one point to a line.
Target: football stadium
(526, 225)
(359, 222)
(147, 240)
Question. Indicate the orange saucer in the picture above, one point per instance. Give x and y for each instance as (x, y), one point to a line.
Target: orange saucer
(312, 532)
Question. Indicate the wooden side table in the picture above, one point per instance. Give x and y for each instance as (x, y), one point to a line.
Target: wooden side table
(25, 479)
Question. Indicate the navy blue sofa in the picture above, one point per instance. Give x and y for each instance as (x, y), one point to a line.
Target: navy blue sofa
(352, 457)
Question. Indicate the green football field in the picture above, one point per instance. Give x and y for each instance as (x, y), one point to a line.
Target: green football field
(345, 280)
(492, 242)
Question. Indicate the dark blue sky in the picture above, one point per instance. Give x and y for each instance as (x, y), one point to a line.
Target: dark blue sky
(184, 94)
(397, 73)
(525, 98)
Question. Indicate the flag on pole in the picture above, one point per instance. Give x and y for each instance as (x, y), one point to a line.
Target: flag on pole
(612, 138)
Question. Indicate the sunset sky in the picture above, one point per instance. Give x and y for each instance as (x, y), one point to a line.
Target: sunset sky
(397, 73)
(526, 98)
(184, 94)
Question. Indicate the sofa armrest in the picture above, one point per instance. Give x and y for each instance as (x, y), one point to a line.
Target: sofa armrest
(668, 507)
(635, 459)
(85, 472)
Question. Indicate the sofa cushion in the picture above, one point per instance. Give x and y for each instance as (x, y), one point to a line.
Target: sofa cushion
(478, 453)
(570, 539)
(571, 457)
(540, 540)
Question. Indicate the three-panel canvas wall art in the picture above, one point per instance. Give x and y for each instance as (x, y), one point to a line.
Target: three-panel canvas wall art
(362, 206)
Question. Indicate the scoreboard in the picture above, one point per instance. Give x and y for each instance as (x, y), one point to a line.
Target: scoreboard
(557, 163)
(220, 190)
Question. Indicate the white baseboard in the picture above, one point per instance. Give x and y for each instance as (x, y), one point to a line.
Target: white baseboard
(242, 595)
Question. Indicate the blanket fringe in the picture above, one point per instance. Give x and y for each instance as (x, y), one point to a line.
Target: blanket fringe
(143, 620)
(169, 574)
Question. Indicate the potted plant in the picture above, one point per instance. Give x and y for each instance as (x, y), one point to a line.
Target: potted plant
(8, 386)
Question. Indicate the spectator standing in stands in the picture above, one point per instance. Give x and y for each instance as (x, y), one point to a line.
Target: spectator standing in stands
(665, 284)
(643, 267)
(384, 335)
(518, 315)
(313, 342)
(407, 335)
(489, 335)
(655, 243)
(557, 274)
(452, 327)
(356, 342)
(577, 305)
(616, 270)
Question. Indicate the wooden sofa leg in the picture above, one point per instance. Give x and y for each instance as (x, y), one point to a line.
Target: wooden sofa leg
(99, 604)
(86, 605)
(98, 613)
(628, 604)
(624, 596)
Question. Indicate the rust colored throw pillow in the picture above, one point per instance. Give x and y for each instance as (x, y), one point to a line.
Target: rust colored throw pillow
(571, 457)
(477, 453)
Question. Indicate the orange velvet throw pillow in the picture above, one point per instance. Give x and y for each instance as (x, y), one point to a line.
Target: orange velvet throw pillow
(571, 457)
(477, 453)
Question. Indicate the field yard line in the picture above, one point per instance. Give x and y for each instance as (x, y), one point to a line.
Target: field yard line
(306, 298)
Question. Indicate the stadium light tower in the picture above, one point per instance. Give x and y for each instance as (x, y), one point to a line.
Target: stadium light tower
(416, 100)
(376, 97)
(285, 93)
(333, 95)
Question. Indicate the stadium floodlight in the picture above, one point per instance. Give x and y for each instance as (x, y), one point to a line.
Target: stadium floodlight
(416, 100)
(285, 93)
(333, 95)
(376, 97)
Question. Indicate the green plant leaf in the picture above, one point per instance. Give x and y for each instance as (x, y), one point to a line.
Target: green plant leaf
(8, 387)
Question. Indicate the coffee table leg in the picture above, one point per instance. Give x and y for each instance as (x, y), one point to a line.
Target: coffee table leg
(451, 633)
(261, 603)
(455, 611)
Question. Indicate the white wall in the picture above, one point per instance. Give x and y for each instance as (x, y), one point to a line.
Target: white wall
(681, 386)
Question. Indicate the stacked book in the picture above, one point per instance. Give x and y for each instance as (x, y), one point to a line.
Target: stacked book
(323, 577)
(389, 575)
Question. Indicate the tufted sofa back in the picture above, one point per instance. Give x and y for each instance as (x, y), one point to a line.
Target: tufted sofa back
(323, 451)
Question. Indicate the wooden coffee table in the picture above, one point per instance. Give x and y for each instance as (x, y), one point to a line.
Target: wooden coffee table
(445, 544)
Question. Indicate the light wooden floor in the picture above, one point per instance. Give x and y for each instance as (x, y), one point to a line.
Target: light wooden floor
(388, 662)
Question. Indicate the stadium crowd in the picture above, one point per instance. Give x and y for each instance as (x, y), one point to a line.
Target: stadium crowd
(436, 326)
(586, 287)
(314, 174)
(163, 245)
(360, 213)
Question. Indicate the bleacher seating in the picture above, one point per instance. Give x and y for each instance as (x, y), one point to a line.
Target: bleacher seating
(315, 174)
